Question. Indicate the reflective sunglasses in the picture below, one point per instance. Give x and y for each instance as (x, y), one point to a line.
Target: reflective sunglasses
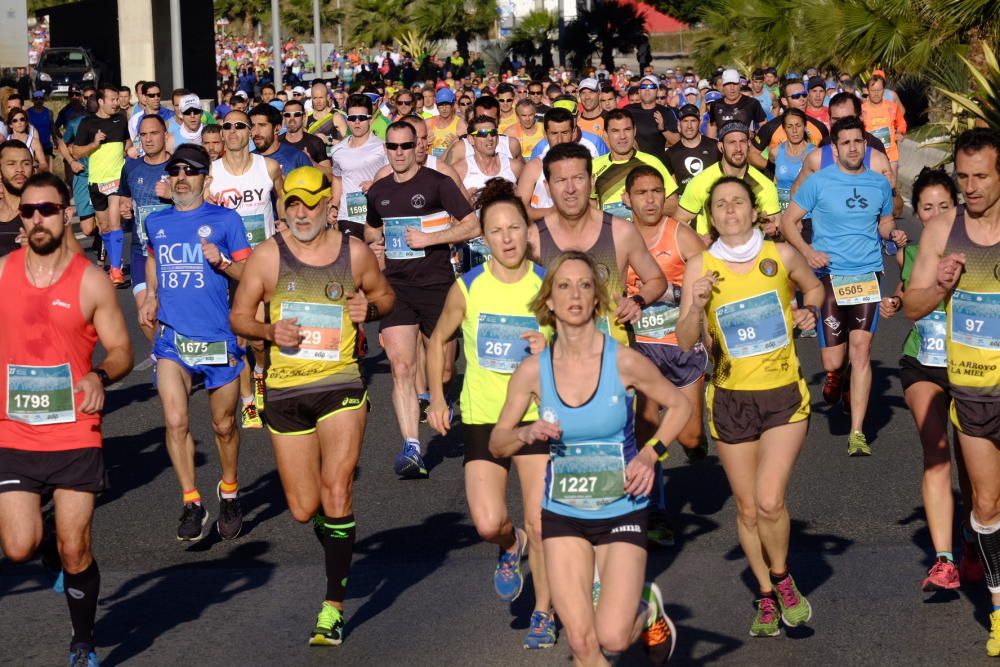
(176, 169)
(293, 114)
(45, 208)
(235, 125)
(358, 117)
(406, 145)
(798, 96)
(647, 86)
(482, 134)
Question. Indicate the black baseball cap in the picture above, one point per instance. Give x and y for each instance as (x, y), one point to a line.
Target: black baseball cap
(688, 111)
(190, 154)
(734, 126)
(816, 82)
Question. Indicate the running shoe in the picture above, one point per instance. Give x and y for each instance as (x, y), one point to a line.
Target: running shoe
(857, 444)
(541, 631)
(258, 391)
(230, 521)
(82, 655)
(696, 454)
(660, 531)
(250, 416)
(660, 635)
(943, 576)
(993, 643)
(795, 608)
(833, 387)
(192, 521)
(507, 578)
(424, 401)
(117, 279)
(766, 623)
(970, 565)
(409, 463)
(329, 630)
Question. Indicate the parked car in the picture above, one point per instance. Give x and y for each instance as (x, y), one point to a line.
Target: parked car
(62, 67)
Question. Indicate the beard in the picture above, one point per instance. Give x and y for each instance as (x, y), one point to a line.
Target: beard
(11, 188)
(47, 246)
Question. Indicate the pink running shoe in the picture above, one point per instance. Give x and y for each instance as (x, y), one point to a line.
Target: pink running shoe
(943, 576)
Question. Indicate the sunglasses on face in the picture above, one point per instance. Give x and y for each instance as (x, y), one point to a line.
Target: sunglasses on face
(358, 117)
(293, 114)
(534, 92)
(798, 96)
(176, 169)
(505, 100)
(235, 125)
(406, 102)
(45, 208)
(156, 94)
(406, 145)
(192, 112)
(647, 86)
(482, 134)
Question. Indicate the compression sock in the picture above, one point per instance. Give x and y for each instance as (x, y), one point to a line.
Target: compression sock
(191, 496)
(116, 244)
(228, 490)
(82, 590)
(415, 443)
(338, 535)
(989, 546)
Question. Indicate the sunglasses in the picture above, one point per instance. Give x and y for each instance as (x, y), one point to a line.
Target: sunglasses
(176, 169)
(235, 125)
(293, 114)
(406, 145)
(156, 94)
(482, 134)
(465, 103)
(505, 100)
(191, 112)
(661, 97)
(647, 86)
(358, 117)
(534, 92)
(406, 102)
(45, 208)
(798, 96)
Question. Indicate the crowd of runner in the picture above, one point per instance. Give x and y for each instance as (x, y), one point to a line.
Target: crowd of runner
(625, 262)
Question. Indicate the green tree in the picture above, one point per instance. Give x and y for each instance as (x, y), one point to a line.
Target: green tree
(608, 26)
(461, 20)
(297, 15)
(377, 21)
(533, 36)
(250, 12)
(688, 11)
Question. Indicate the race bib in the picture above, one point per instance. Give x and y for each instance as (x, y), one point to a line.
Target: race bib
(855, 290)
(975, 319)
(109, 188)
(784, 196)
(322, 326)
(438, 152)
(40, 394)
(474, 253)
(753, 326)
(587, 476)
(933, 329)
(357, 207)
(396, 246)
(499, 345)
(657, 320)
(884, 134)
(201, 353)
(141, 213)
(256, 228)
(618, 209)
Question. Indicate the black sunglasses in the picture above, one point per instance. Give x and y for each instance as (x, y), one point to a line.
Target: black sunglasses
(798, 96)
(176, 169)
(358, 117)
(47, 209)
(156, 94)
(406, 145)
(191, 112)
(407, 102)
(235, 125)
(293, 114)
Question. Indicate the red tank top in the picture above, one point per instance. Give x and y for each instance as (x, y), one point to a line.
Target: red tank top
(668, 255)
(46, 347)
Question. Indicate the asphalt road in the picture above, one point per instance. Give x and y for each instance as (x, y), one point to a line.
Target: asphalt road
(420, 591)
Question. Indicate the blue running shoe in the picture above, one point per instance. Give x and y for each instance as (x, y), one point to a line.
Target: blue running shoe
(82, 655)
(507, 578)
(541, 632)
(58, 585)
(410, 464)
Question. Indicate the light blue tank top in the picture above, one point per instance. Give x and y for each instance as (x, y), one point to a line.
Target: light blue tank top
(586, 473)
(786, 170)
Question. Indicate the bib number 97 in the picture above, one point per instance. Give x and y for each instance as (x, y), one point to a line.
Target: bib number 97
(973, 326)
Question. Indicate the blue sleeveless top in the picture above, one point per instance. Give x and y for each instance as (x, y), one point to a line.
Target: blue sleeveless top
(586, 474)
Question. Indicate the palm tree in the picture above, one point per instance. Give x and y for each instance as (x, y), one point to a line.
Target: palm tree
(250, 12)
(297, 15)
(533, 35)
(609, 25)
(377, 21)
(461, 20)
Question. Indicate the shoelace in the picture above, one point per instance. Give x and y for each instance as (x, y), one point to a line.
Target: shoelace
(81, 658)
(189, 511)
(328, 617)
(786, 589)
(229, 507)
(507, 561)
(768, 610)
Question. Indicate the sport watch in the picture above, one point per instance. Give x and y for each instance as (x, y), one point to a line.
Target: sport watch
(659, 448)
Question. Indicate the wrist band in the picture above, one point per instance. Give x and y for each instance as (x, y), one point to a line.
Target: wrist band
(372, 313)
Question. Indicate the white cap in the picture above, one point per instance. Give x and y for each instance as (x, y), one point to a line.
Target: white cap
(299, 90)
(703, 84)
(690, 91)
(189, 102)
(650, 77)
(730, 76)
(589, 83)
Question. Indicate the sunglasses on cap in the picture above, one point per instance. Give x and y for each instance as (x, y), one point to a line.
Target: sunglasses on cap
(293, 114)
(482, 134)
(798, 96)
(406, 145)
(235, 125)
(358, 117)
(647, 86)
(45, 208)
(176, 169)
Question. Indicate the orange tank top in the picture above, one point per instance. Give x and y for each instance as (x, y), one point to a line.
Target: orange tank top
(47, 346)
(659, 319)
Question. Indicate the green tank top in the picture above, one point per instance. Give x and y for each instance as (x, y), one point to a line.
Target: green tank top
(914, 340)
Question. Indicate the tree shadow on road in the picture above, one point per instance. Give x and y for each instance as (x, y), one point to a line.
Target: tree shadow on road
(881, 403)
(154, 603)
(133, 461)
(396, 559)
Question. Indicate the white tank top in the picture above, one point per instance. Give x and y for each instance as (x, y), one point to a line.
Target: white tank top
(432, 162)
(475, 179)
(355, 165)
(249, 195)
(540, 197)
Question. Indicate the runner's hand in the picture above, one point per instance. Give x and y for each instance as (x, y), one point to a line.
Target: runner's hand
(628, 311)
(701, 290)
(658, 119)
(639, 477)
(438, 417)
(132, 152)
(93, 393)
(950, 270)
(287, 332)
(898, 237)
(817, 260)
(99, 137)
(539, 431)
(76, 166)
(125, 208)
(804, 319)
(162, 191)
(357, 307)
(147, 313)
(889, 306)
(536, 341)
(211, 253)
(417, 239)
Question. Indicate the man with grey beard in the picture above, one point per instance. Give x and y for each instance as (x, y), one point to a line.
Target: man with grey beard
(319, 285)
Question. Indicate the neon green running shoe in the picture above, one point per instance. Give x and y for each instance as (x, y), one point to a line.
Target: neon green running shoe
(795, 608)
(993, 643)
(329, 629)
(857, 444)
(766, 623)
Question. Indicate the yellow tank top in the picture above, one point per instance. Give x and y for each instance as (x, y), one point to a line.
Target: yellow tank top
(496, 314)
(317, 296)
(751, 324)
(528, 141)
(441, 138)
(507, 122)
(973, 330)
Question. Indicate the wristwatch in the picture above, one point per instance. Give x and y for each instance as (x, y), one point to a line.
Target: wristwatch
(659, 448)
(103, 375)
(639, 300)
